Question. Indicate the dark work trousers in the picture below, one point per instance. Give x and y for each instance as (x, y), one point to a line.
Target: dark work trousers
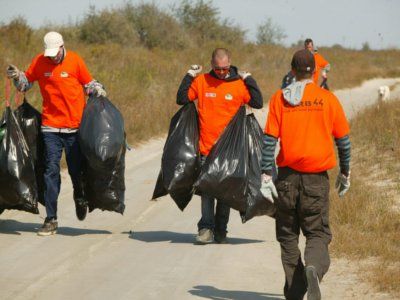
(54, 143)
(214, 218)
(303, 204)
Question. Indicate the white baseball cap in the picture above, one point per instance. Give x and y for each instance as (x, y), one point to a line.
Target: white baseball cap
(52, 43)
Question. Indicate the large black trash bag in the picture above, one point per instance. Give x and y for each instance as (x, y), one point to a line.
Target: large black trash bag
(180, 164)
(102, 142)
(106, 189)
(30, 120)
(225, 172)
(18, 188)
(257, 204)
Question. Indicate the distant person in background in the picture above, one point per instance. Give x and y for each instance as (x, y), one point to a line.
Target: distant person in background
(304, 118)
(219, 93)
(321, 64)
(63, 78)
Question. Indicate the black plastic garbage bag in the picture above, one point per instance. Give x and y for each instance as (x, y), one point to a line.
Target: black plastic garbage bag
(106, 189)
(180, 164)
(225, 172)
(257, 204)
(102, 142)
(30, 120)
(18, 188)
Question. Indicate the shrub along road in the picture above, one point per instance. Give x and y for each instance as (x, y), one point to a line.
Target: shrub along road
(149, 253)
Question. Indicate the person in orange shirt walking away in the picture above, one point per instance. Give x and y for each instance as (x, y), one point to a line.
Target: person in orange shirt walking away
(304, 118)
(321, 64)
(63, 77)
(219, 93)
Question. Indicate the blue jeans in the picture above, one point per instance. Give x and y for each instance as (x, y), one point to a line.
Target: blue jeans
(54, 143)
(214, 218)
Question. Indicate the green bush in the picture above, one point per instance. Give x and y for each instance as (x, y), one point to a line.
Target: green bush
(154, 27)
(107, 26)
(269, 33)
(203, 20)
(17, 33)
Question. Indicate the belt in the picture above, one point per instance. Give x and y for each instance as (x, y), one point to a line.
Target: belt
(59, 130)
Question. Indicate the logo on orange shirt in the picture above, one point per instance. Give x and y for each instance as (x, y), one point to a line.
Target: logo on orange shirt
(211, 95)
(317, 103)
(228, 97)
(64, 74)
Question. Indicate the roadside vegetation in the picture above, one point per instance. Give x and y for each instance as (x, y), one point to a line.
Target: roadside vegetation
(140, 53)
(366, 223)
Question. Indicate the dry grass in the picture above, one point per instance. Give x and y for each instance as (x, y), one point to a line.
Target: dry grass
(366, 223)
(143, 82)
(142, 73)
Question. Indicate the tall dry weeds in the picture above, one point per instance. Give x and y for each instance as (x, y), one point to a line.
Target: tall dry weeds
(366, 223)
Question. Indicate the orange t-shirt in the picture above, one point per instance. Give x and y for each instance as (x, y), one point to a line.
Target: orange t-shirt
(218, 102)
(320, 63)
(61, 89)
(306, 131)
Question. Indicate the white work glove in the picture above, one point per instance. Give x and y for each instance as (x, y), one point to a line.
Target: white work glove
(268, 188)
(244, 74)
(342, 184)
(13, 72)
(95, 88)
(98, 91)
(324, 74)
(195, 70)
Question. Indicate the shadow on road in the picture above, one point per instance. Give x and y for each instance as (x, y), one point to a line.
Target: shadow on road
(16, 227)
(210, 292)
(179, 238)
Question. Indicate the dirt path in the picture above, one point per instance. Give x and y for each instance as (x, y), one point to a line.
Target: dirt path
(148, 253)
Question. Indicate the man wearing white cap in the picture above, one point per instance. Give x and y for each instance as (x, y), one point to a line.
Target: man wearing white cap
(62, 79)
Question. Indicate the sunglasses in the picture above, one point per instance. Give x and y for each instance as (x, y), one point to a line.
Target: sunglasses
(221, 69)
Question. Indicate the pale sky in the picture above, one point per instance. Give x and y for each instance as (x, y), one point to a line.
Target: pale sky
(328, 22)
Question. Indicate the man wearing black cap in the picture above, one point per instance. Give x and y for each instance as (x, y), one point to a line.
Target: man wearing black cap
(304, 117)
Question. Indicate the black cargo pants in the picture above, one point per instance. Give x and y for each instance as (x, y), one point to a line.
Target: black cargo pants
(303, 204)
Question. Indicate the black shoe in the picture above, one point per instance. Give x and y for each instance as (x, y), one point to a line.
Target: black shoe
(220, 237)
(81, 208)
(49, 227)
(313, 291)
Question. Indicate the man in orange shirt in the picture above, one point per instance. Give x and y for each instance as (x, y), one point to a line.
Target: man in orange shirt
(62, 78)
(321, 64)
(220, 93)
(304, 117)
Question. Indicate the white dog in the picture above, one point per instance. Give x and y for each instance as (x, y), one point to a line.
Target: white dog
(384, 93)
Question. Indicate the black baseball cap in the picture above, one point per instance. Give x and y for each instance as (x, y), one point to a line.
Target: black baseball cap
(303, 61)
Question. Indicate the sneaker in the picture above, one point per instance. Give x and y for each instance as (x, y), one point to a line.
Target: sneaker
(220, 237)
(49, 227)
(81, 208)
(313, 291)
(205, 236)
